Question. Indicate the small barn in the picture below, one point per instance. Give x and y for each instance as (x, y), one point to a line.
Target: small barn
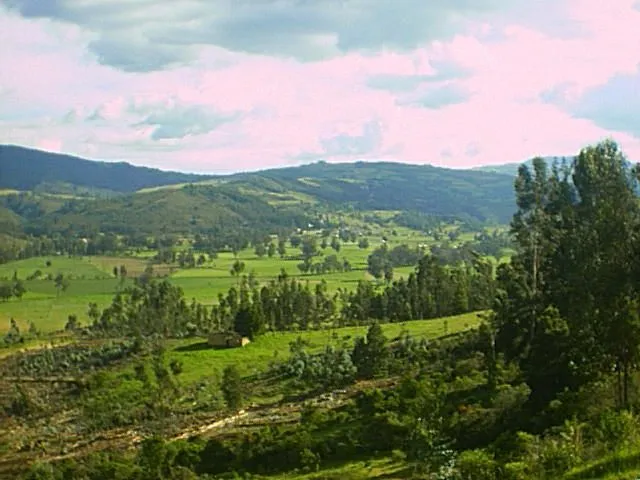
(227, 340)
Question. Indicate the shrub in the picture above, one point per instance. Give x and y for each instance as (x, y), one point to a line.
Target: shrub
(476, 465)
(617, 429)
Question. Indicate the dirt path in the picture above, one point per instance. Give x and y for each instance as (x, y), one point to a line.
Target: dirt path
(125, 439)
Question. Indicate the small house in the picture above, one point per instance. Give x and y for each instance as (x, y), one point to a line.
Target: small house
(227, 340)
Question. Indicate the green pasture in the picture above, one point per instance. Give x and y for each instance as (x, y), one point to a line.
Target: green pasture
(76, 267)
(386, 468)
(200, 361)
(92, 279)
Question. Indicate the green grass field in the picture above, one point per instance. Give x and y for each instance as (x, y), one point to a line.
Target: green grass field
(386, 468)
(76, 267)
(201, 361)
(92, 279)
(621, 465)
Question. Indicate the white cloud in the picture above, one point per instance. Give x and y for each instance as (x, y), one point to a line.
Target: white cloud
(182, 84)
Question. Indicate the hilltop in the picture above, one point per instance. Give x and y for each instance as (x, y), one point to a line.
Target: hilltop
(28, 169)
(67, 192)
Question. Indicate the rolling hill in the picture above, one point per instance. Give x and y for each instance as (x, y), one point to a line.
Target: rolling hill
(152, 201)
(27, 169)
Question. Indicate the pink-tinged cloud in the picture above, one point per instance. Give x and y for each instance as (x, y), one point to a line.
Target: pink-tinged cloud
(502, 85)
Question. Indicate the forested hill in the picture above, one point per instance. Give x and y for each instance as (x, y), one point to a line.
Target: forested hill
(25, 169)
(394, 186)
(192, 203)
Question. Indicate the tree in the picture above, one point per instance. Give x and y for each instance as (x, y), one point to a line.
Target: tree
(115, 271)
(575, 231)
(335, 244)
(363, 243)
(245, 322)
(282, 247)
(346, 265)
(123, 271)
(61, 283)
(304, 266)
(146, 276)
(13, 335)
(237, 268)
(18, 289)
(377, 261)
(260, 249)
(6, 291)
(271, 250)
(370, 355)
(309, 247)
(295, 241)
(72, 323)
(388, 273)
(232, 387)
(94, 312)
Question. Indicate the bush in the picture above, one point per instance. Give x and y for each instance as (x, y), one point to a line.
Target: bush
(476, 465)
(515, 471)
(617, 429)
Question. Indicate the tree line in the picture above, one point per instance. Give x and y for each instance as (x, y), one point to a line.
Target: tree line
(288, 303)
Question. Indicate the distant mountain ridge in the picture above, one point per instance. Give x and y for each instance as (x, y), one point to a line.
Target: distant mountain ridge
(70, 194)
(24, 168)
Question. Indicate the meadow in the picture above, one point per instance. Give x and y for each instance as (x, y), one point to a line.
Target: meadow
(91, 279)
(200, 361)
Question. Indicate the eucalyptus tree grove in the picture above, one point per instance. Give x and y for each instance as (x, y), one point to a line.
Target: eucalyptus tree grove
(567, 309)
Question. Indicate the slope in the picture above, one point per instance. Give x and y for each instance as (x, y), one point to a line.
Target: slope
(285, 197)
(25, 169)
(184, 210)
(393, 186)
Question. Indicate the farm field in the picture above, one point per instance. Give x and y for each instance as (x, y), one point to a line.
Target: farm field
(91, 278)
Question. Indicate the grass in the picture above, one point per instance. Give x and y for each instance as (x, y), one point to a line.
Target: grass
(200, 361)
(622, 465)
(177, 186)
(76, 267)
(92, 278)
(48, 313)
(359, 470)
(135, 266)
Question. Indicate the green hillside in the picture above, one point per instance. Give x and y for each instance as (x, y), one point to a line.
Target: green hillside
(189, 209)
(68, 194)
(395, 186)
(9, 221)
(27, 169)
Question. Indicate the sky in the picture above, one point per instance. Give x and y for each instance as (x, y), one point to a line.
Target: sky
(217, 86)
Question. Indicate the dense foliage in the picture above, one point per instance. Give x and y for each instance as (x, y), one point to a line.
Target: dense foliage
(287, 303)
(71, 360)
(545, 389)
(433, 290)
